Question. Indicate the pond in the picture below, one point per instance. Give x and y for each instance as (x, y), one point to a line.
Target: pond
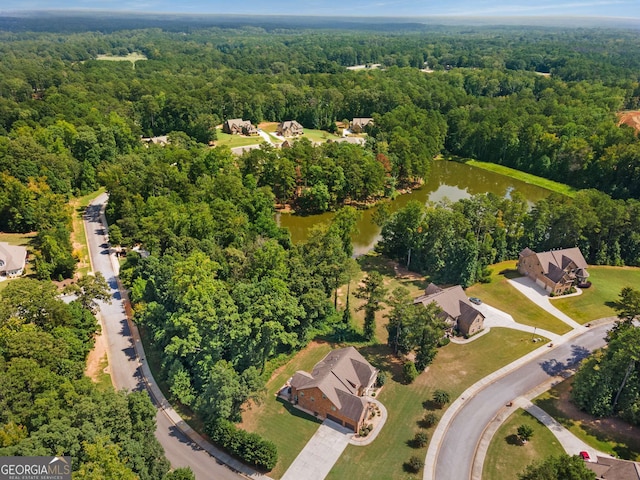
(450, 180)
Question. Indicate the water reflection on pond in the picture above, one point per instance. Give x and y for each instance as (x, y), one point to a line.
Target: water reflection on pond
(450, 180)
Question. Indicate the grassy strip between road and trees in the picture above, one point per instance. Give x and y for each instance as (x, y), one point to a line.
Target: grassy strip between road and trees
(550, 185)
(500, 294)
(78, 235)
(609, 435)
(596, 301)
(508, 456)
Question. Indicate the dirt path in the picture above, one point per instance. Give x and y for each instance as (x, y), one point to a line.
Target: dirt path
(631, 118)
(95, 359)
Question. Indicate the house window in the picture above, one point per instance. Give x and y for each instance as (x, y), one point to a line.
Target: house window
(302, 394)
(313, 399)
(324, 396)
(333, 408)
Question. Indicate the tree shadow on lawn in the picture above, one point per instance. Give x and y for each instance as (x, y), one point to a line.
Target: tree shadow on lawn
(513, 439)
(297, 412)
(510, 273)
(381, 357)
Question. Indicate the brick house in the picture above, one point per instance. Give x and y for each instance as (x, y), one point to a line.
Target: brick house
(13, 259)
(336, 388)
(237, 126)
(557, 271)
(457, 311)
(290, 128)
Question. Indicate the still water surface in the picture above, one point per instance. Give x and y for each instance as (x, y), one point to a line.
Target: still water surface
(450, 180)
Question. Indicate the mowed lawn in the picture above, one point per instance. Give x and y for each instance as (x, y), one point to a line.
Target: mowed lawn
(507, 456)
(595, 302)
(233, 141)
(501, 295)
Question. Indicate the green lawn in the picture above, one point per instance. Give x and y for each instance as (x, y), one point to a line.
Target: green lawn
(233, 141)
(317, 135)
(499, 294)
(455, 368)
(507, 456)
(131, 57)
(615, 438)
(525, 177)
(594, 303)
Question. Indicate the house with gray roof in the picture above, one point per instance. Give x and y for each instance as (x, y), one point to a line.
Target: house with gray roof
(336, 388)
(457, 312)
(12, 260)
(557, 271)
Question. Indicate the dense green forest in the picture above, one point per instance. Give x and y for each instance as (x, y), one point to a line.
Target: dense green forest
(48, 406)
(224, 290)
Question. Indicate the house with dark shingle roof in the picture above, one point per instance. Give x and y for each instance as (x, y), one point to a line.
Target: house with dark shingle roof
(457, 312)
(336, 388)
(557, 271)
(238, 126)
(289, 128)
(12, 260)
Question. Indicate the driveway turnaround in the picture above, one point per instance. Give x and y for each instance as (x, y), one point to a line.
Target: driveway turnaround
(320, 453)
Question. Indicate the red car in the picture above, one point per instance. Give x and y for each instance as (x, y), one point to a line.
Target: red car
(585, 456)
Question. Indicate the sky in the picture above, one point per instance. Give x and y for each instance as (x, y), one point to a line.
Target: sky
(383, 8)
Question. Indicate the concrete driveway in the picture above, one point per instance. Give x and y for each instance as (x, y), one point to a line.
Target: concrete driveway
(321, 452)
(540, 297)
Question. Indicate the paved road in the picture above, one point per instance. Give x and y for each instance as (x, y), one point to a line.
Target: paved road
(456, 451)
(124, 364)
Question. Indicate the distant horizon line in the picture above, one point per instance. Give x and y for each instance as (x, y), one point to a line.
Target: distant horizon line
(342, 16)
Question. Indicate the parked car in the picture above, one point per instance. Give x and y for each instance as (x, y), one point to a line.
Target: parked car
(585, 456)
(475, 300)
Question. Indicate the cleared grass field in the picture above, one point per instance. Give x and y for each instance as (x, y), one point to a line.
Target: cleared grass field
(131, 57)
(500, 294)
(525, 177)
(596, 301)
(507, 456)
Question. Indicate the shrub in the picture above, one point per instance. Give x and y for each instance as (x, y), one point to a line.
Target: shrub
(414, 464)
(421, 439)
(430, 419)
(444, 341)
(250, 447)
(410, 372)
(382, 378)
(525, 432)
(441, 398)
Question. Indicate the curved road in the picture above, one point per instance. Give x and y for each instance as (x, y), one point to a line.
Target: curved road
(456, 451)
(125, 365)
